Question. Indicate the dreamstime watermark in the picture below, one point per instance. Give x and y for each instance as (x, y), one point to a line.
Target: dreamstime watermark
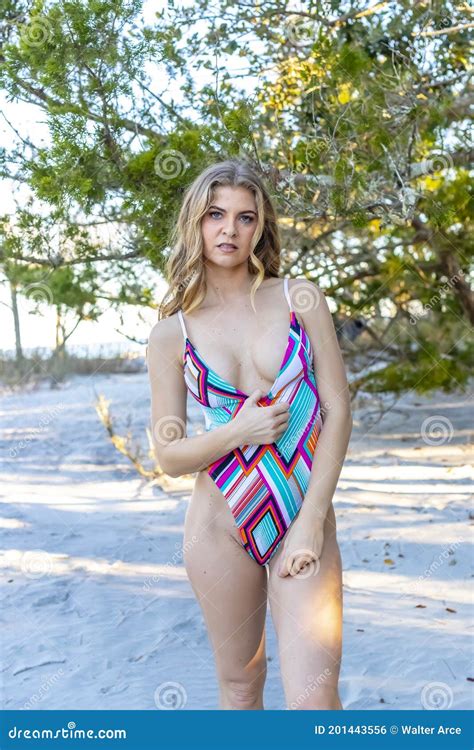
(304, 298)
(432, 22)
(184, 283)
(36, 563)
(43, 423)
(324, 409)
(436, 298)
(43, 689)
(176, 557)
(69, 732)
(416, 587)
(294, 434)
(39, 292)
(436, 695)
(36, 32)
(309, 567)
(300, 29)
(312, 685)
(436, 430)
(442, 557)
(170, 696)
(317, 146)
(169, 429)
(170, 164)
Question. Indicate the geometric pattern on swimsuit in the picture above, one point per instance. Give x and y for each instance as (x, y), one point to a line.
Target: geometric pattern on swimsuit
(264, 485)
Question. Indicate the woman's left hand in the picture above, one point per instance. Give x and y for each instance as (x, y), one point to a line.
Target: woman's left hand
(302, 548)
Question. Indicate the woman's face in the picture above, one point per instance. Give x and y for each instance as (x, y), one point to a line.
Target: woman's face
(230, 219)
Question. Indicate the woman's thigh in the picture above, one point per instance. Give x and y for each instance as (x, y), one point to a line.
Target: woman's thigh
(230, 587)
(307, 614)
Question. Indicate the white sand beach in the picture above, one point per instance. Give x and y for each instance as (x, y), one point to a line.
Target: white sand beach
(97, 611)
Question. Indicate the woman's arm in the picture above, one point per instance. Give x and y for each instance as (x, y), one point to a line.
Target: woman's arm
(334, 393)
(176, 453)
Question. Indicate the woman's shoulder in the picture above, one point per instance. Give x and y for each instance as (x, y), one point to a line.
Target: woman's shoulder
(302, 285)
(301, 282)
(165, 332)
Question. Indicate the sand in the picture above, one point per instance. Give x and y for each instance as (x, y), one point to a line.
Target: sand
(97, 610)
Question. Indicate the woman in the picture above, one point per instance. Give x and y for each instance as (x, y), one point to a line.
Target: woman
(250, 347)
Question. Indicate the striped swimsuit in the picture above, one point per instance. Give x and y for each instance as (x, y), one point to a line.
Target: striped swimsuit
(264, 485)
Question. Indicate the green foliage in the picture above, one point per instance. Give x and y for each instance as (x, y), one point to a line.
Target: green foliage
(364, 115)
(422, 375)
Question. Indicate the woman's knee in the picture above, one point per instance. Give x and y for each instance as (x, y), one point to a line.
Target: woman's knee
(243, 693)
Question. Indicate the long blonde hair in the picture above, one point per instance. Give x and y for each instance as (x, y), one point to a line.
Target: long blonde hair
(184, 269)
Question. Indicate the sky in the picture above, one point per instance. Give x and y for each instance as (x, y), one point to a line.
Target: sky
(38, 330)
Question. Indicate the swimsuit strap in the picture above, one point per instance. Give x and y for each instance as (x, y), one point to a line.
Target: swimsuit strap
(287, 294)
(183, 327)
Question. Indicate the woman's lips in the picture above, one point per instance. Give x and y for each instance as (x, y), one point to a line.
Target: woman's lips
(227, 248)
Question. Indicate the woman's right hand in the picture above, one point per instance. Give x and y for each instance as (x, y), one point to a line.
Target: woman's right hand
(260, 425)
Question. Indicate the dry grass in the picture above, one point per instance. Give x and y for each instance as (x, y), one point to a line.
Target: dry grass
(37, 368)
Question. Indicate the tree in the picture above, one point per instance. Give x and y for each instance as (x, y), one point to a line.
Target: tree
(357, 116)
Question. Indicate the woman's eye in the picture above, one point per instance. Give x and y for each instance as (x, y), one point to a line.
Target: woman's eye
(245, 219)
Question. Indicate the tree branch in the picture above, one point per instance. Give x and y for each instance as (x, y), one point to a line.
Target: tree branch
(51, 103)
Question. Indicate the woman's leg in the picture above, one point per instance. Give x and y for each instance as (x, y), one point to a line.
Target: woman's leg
(231, 589)
(307, 613)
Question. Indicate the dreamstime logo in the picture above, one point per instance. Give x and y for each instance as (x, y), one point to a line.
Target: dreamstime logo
(437, 430)
(176, 557)
(43, 689)
(168, 429)
(36, 33)
(36, 563)
(311, 567)
(302, 31)
(184, 283)
(436, 163)
(170, 164)
(436, 695)
(312, 684)
(315, 148)
(304, 298)
(325, 408)
(436, 298)
(417, 587)
(432, 22)
(304, 563)
(286, 441)
(42, 425)
(170, 696)
(38, 291)
(294, 433)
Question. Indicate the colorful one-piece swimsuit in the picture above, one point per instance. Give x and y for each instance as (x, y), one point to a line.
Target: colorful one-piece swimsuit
(264, 485)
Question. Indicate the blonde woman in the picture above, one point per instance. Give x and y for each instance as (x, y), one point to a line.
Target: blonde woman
(259, 355)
